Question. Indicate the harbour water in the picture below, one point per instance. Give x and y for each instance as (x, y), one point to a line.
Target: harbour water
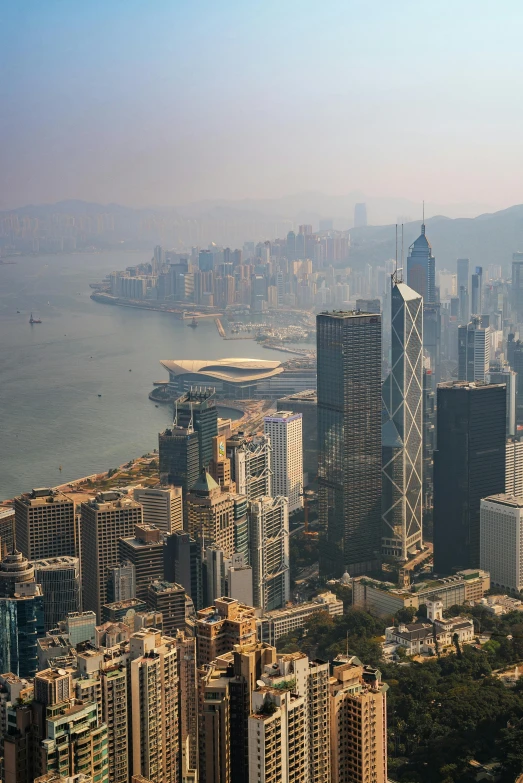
(51, 374)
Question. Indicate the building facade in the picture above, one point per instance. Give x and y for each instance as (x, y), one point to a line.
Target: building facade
(473, 351)
(285, 433)
(306, 404)
(501, 540)
(269, 552)
(45, 524)
(162, 507)
(60, 580)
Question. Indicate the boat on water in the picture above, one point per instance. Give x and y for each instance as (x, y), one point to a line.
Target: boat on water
(34, 320)
(99, 395)
(193, 324)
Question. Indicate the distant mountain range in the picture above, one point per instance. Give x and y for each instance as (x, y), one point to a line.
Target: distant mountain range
(488, 238)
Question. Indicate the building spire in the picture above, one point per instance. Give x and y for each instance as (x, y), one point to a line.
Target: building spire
(423, 221)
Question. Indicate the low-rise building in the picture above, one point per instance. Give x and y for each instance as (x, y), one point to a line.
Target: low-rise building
(274, 624)
(437, 633)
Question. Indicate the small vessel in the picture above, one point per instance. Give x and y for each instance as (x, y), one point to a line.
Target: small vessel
(60, 468)
(156, 406)
(193, 324)
(130, 370)
(99, 395)
(18, 311)
(34, 320)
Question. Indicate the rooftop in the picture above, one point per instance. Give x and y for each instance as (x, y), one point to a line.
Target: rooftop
(230, 370)
(505, 500)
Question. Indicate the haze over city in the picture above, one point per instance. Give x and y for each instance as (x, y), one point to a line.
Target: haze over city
(167, 103)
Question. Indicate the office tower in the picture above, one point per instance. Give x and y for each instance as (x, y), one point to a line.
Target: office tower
(70, 738)
(402, 432)
(79, 626)
(179, 457)
(169, 599)
(210, 514)
(218, 628)
(429, 438)
(349, 440)
(21, 616)
(509, 378)
(214, 572)
(238, 580)
(45, 524)
(514, 467)
(183, 565)
(291, 246)
(220, 466)
(60, 581)
(501, 540)
(358, 722)
(196, 409)
(7, 529)
(476, 299)
(162, 507)
(473, 351)
(360, 215)
(421, 276)
(469, 464)
(285, 433)
(462, 269)
(145, 552)
(104, 521)
(305, 403)
(154, 693)
(515, 360)
(269, 552)
(517, 287)
(251, 465)
(121, 583)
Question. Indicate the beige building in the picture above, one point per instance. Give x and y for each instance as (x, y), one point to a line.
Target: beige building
(186, 653)
(285, 432)
(162, 507)
(45, 524)
(154, 693)
(220, 627)
(358, 723)
(104, 520)
(210, 514)
(169, 599)
(272, 625)
(144, 551)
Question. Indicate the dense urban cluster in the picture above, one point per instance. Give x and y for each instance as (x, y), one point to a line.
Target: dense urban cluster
(332, 593)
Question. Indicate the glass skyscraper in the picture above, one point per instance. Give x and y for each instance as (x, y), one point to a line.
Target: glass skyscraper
(421, 276)
(469, 464)
(402, 434)
(349, 440)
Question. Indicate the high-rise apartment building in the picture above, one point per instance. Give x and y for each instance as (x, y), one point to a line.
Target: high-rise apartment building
(305, 403)
(45, 524)
(469, 464)
(402, 432)
(121, 583)
(269, 552)
(349, 440)
(183, 564)
(358, 723)
(104, 520)
(285, 433)
(251, 465)
(21, 615)
(179, 457)
(210, 514)
(80, 627)
(162, 507)
(218, 628)
(220, 467)
(188, 714)
(169, 599)
(196, 409)
(60, 581)
(514, 467)
(7, 529)
(473, 351)
(501, 540)
(154, 706)
(476, 290)
(145, 551)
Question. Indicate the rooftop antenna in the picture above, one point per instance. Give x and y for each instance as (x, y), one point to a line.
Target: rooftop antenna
(423, 221)
(395, 275)
(401, 267)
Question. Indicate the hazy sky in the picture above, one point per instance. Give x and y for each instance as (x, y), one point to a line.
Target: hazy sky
(147, 102)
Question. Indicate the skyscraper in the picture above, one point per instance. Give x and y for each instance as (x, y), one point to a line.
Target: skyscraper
(179, 457)
(45, 524)
(169, 599)
(145, 551)
(469, 464)
(463, 285)
(220, 627)
(476, 300)
(349, 440)
(305, 403)
(501, 541)
(196, 409)
(60, 580)
(104, 521)
(162, 507)
(21, 616)
(360, 215)
(269, 552)
(285, 432)
(251, 465)
(183, 564)
(210, 514)
(421, 276)
(402, 433)
(473, 351)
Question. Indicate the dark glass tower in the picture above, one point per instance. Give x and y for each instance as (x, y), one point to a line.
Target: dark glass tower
(349, 440)
(183, 564)
(196, 409)
(179, 460)
(421, 276)
(469, 464)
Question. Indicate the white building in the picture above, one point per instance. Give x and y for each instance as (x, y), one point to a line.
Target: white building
(514, 467)
(436, 633)
(269, 552)
(285, 432)
(162, 507)
(473, 351)
(272, 625)
(501, 539)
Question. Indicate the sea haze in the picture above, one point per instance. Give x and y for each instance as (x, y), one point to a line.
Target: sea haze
(52, 373)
